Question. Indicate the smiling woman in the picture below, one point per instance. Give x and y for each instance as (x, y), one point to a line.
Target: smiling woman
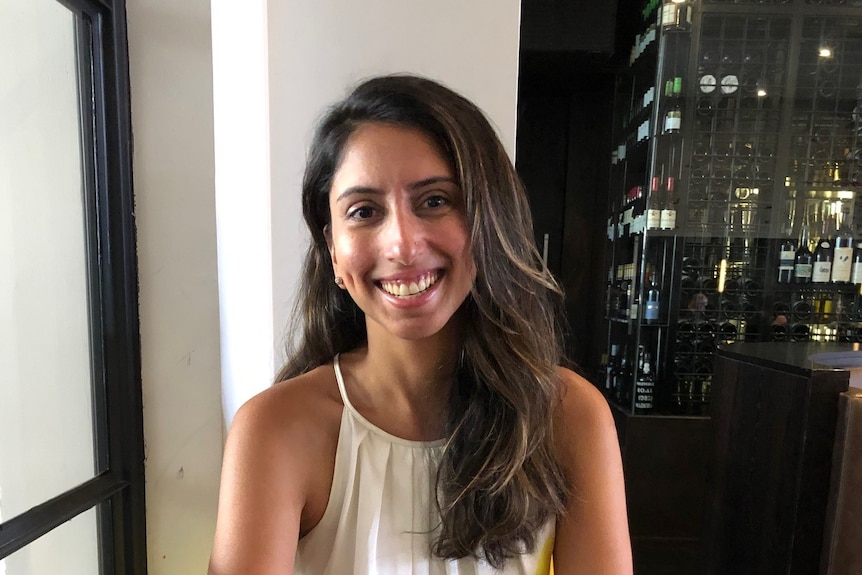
(423, 423)
(398, 235)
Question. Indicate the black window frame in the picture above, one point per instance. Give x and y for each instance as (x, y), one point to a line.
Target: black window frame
(117, 492)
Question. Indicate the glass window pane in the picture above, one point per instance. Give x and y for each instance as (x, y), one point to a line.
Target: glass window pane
(46, 414)
(70, 549)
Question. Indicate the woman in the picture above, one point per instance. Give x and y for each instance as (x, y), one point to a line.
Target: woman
(422, 424)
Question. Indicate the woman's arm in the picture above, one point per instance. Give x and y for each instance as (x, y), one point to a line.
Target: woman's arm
(262, 493)
(593, 535)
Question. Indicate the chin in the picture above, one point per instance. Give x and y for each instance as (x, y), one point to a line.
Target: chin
(416, 333)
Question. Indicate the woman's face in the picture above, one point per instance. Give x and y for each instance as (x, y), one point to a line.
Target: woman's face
(398, 235)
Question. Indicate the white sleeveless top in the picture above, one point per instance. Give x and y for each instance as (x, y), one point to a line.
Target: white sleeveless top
(381, 517)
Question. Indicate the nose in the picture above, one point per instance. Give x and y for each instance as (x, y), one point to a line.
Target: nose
(402, 236)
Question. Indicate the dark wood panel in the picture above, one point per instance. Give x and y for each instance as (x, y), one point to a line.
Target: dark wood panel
(666, 556)
(773, 446)
(667, 463)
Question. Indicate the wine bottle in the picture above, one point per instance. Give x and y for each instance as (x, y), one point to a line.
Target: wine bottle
(842, 256)
(611, 367)
(622, 378)
(822, 267)
(857, 264)
(786, 260)
(654, 205)
(800, 332)
(727, 331)
(673, 119)
(803, 262)
(651, 310)
(802, 310)
(668, 209)
(627, 305)
(645, 387)
(675, 16)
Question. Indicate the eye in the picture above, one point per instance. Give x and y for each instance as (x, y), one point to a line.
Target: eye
(436, 201)
(360, 213)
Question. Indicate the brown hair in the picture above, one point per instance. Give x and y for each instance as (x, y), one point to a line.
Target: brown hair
(498, 480)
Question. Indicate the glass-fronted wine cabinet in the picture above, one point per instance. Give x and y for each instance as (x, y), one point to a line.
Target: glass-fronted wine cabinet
(733, 212)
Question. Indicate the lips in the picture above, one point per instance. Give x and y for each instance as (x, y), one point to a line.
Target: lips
(409, 287)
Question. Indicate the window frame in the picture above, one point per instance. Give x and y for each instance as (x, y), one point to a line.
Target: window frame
(118, 490)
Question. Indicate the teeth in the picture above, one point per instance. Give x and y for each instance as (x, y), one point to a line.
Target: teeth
(412, 288)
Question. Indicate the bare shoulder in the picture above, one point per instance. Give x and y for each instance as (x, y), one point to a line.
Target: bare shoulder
(290, 431)
(305, 406)
(582, 406)
(592, 535)
(276, 473)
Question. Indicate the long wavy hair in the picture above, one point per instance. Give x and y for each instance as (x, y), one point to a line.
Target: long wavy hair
(498, 481)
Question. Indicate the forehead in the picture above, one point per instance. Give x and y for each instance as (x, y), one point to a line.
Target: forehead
(379, 149)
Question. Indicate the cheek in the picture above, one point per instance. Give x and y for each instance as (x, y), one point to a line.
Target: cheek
(350, 253)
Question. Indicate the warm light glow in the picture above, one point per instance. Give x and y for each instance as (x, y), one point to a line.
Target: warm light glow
(825, 52)
(722, 275)
(761, 92)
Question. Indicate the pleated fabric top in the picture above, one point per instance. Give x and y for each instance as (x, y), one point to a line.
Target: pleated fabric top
(381, 516)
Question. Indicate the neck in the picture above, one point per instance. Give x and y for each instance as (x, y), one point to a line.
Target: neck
(415, 367)
(410, 380)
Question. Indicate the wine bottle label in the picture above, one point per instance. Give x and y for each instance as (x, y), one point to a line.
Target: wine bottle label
(653, 219)
(803, 271)
(842, 263)
(857, 273)
(644, 393)
(672, 122)
(668, 14)
(821, 272)
(668, 219)
(785, 259)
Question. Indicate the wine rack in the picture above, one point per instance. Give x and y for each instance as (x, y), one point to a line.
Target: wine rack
(743, 118)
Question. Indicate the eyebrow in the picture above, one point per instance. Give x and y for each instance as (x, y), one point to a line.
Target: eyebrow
(354, 190)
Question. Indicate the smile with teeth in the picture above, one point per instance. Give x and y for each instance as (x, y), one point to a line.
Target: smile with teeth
(401, 288)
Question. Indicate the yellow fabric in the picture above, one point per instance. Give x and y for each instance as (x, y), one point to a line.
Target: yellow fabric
(544, 565)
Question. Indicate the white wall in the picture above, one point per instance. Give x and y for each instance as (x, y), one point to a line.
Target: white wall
(315, 48)
(170, 56)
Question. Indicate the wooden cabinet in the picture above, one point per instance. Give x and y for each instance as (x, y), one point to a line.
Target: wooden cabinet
(667, 465)
(774, 417)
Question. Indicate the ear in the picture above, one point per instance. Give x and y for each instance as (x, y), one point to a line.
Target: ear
(327, 234)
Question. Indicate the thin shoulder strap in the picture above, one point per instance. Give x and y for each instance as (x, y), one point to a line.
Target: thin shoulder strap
(341, 389)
